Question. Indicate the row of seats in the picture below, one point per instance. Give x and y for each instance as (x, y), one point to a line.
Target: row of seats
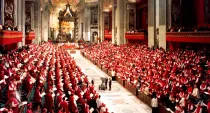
(44, 78)
(180, 79)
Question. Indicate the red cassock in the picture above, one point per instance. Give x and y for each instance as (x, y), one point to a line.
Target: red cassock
(48, 102)
(203, 86)
(28, 86)
(198, 109)
(60, 111)
(29, 111)
(190, 90)
(12, 87)
(91, 88)
(190, 106)
(72, 107)
(208, 106)
(14, 103)
(64, 105)
(59, 99)
(86, 109)
(37, 96)
(80, 100)
(2, 75)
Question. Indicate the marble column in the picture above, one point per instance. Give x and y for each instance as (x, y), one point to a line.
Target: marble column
(16, 11)
(120, 22)
(19, 18)
(23, 22)
(87, 24)
(162, 23)
(32, 15)
(157, 23)
(168, 13)
(2, 12)
(125, 21)
(45, 23)
(99, 11)
(32, 19)
(37, 19)
(81, 21)
(151, 23)
(101, 26)
(113, 22)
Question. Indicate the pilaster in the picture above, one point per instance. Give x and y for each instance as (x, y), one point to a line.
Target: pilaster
(162, 24)
(2, 12)
(23, 22)
(151, 23)
(101, 26)
(120, 22)
(113, 22)
(87, 24)
(168, 13)
(19, 18)
(37, 20)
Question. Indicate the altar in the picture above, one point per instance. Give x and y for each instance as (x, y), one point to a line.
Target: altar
(69, 46)
(68, 25)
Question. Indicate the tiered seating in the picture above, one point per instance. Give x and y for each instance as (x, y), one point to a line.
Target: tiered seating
(50, 79)
(176, 77)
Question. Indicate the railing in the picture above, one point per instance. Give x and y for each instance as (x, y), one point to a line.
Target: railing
(108, 36)
(10, 37)
(30, 36)
(197, 37)
(136, 36)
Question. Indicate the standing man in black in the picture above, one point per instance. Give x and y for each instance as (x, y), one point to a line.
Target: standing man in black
(106, 82)
(110, 84)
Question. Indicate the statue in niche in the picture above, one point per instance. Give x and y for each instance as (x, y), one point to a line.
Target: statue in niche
(9, 10)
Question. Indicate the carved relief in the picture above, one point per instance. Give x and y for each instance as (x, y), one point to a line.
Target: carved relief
(28, 17)
(9, 12)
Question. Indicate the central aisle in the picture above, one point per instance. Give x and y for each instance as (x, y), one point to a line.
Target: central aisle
(118, 100)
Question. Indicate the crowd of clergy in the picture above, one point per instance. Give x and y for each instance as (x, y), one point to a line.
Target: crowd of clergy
(50, 76)
(180, 78)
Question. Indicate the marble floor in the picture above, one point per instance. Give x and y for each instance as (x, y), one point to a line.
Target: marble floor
(118, 100)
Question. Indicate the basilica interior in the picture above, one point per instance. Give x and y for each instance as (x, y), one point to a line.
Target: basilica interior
(105, 56)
